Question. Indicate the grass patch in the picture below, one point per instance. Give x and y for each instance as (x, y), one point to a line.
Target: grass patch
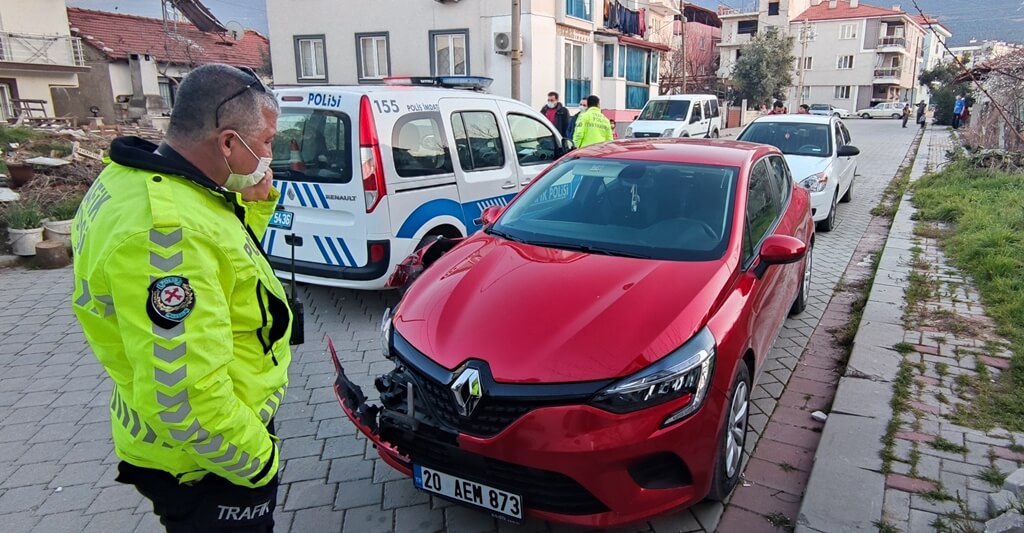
(942, 369)
(1016, 448)
(941, 398)
(903, 348)
(986, 241)
(900, 395)
(893, 192)
(15, 135)
(937, 495)
(786, 467)
(884, 526)
(944, 445)
(993, 476)
(781, 521)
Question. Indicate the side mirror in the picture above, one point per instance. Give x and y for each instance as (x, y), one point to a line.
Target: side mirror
(489, 216)
(782, 249)
(847, 151)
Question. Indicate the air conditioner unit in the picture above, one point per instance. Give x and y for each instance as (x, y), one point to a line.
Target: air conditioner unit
(502, 42)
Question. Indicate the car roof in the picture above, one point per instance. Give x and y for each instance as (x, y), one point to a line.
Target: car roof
(795, 119)
(716, 152)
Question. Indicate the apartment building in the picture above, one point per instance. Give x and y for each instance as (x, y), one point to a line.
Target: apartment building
(748, 17)
(611, 48)
(857, 54)
(976, 52)
(37, 54)
(935, 36)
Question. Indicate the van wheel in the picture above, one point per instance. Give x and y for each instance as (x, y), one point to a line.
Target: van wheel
(427, 240)
(734, 437)
(714, 134)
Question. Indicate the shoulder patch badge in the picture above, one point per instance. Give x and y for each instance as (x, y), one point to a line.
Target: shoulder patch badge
(171, 300)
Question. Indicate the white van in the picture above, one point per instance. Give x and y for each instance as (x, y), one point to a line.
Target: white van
(680, 115)
(367, 174)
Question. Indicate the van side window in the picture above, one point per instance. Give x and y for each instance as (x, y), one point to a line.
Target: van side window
(313, 145)
(696, 116)
(478, 140)
(714, 108)
(418, 146)
(707, 109)
(535, 143)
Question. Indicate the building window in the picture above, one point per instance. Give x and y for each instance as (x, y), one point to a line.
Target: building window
(576, 87)
(848, 31)
(703, 43)
(655, 59)
(773, 8)
(844, 62)
(448, 53)
(807, 63)
(310, 58)
(609, 60)
(578, 8)
(638, 71)
(842, 92)
(748, 27)
(166, 92)
(805, 93)
(622, 61)
(6, 106)
(373, 56)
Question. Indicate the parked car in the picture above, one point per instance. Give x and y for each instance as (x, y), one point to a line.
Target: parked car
(369, 174)
(645, 282)
(819, 154)
(678, 115)
(829, 110)
(882, 110)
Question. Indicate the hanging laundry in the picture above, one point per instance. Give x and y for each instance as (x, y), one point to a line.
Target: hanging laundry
(643, 23)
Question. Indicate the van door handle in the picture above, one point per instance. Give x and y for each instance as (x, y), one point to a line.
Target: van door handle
(524, 183)
(508, 185)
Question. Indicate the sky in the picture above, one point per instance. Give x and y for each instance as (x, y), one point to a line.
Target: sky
(979, 19)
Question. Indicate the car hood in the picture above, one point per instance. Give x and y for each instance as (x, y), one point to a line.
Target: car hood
(658, 126)
(542, 315)
(802, 166)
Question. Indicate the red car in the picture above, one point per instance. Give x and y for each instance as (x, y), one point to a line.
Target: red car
(588, 356)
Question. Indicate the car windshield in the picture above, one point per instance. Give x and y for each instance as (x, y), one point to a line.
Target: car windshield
(819, 106)
(668, 211)
(665, 110)
(313, 145)
(792, 138)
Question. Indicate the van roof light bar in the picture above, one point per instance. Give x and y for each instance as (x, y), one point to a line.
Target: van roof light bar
(476, 83)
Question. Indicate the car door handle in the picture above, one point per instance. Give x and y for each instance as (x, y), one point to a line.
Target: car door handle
(524, 183)
(508, 185)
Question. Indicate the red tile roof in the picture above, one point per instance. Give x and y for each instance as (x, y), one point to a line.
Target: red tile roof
(925, 21)
(843, 10)
(118, 35)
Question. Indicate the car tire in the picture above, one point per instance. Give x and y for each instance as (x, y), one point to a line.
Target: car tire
(836, 115)
(714, 134)
(729, 464)
(865, 115)
(849, 191)
(800, 303)
(896, 115)
(829, 223)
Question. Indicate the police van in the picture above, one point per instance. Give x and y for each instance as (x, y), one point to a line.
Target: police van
(369, 174)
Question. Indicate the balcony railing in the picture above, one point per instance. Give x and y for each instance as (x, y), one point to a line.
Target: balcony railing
(888, 73)
(56, 50)
(892, 42)
(736, 40)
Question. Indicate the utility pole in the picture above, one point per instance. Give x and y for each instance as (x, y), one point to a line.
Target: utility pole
(805, 35)
(517, 48)
(682, 38)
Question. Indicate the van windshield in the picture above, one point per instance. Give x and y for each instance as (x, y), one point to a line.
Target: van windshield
(666, 110)
(313, 145)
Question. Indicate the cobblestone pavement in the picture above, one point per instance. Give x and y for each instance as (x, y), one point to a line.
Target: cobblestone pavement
(54, 429)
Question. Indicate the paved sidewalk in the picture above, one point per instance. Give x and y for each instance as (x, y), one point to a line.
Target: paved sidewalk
(929, 474)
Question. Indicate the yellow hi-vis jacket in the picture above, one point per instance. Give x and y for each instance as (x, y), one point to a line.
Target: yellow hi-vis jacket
(184, 312)
(592, 127)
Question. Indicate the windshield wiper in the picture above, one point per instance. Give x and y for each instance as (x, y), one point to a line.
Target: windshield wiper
(589, 249)
(503, 235)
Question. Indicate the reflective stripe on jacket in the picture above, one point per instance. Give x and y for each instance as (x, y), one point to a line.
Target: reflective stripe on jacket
(592, 127)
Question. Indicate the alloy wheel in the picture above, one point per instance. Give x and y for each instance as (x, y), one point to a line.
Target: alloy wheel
(737, 430)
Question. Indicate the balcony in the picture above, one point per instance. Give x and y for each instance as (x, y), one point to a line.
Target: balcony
(888, 75)
(41, 52)
(891, 44)
(735, 40)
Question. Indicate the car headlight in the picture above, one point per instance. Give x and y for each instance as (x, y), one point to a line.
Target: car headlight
(385, 333)
(815, 182)
(669, 132)
(683, 374)
(629, 132)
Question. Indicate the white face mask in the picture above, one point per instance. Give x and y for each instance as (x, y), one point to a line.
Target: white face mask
(552, 104)
(237, 182)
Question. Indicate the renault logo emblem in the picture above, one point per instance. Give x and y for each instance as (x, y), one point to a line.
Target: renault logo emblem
(291, 195)
(467, 391)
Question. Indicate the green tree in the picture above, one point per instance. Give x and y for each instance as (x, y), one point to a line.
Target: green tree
(942, 81)
(764, 69)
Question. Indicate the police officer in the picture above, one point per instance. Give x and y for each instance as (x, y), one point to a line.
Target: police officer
(182, 309)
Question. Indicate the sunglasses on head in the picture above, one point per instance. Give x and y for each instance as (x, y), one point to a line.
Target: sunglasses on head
(256, 84)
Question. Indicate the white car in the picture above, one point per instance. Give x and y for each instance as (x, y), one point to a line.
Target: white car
(882, 110)
(819, 155)
(829, 110)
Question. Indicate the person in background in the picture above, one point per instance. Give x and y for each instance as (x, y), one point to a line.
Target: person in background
(592, 127)
(922, 108)
(906, 113)
(804, 109)
(965, 117)
(958, 109)
(778, 108)
(571, 128)
(556, 113)
(615, 134)
(763, 110)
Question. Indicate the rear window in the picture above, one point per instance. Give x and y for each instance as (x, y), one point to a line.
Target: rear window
(313, 145)
(818, 106)
(418, 146)
(666, 110)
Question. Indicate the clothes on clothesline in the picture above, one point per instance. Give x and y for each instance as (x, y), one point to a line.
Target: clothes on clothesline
(618, 17)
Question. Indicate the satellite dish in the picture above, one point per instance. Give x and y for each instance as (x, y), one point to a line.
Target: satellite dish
(235, 30)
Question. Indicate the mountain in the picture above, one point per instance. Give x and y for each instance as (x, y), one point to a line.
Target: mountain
(968, 19)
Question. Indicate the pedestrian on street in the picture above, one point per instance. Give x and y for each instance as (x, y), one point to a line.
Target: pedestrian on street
(922, 108)
(778, 108)
(958, 109)
(965, 117)
(804, 109)
(570, 130)
(181, 307)
(906, 113)
(592, 127)
(556, 113)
